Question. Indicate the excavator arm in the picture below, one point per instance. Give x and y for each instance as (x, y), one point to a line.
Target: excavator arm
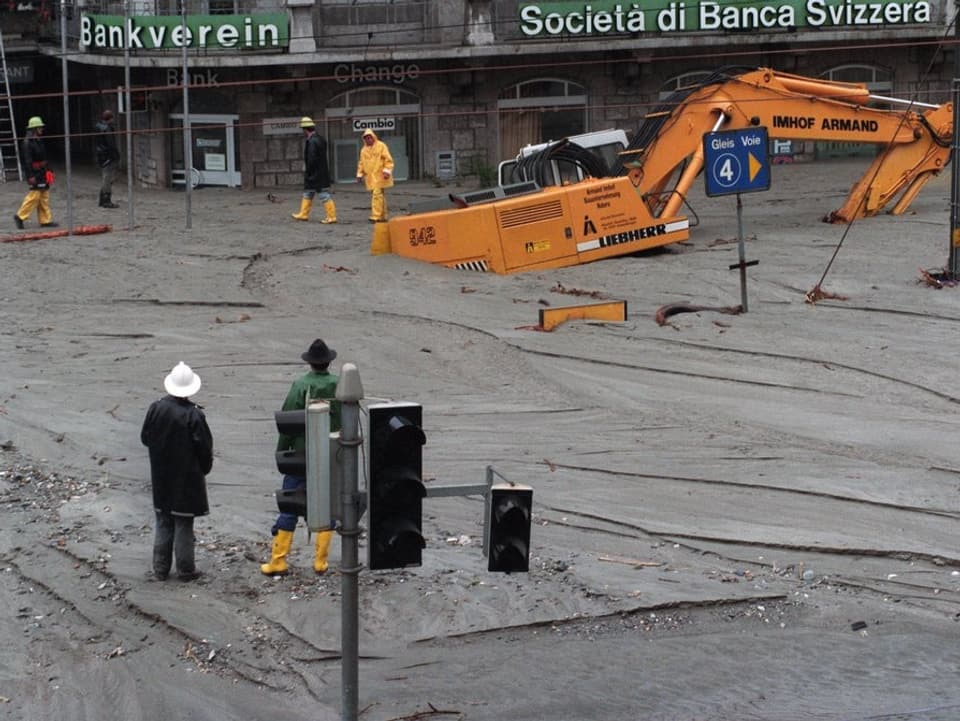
(666, 156)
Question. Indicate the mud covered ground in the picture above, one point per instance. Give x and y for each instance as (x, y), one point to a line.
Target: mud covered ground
(737, 517)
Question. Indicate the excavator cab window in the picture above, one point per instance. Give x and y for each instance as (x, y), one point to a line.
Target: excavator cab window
(605, 144)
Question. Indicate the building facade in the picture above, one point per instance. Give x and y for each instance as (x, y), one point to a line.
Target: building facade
(452, 86)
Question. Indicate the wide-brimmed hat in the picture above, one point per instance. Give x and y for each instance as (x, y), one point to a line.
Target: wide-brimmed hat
(319, 353)
(182, 382)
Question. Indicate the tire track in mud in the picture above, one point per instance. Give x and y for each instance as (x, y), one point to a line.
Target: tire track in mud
(691, 344)
(938, 596)
(899, 554)
(762, 487)
(812, 361)
(89, 596)
(268, 655)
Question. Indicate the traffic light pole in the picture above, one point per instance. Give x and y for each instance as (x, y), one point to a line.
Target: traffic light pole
(350, 393)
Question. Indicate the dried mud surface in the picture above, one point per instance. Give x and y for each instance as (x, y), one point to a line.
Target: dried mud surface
(737, 517)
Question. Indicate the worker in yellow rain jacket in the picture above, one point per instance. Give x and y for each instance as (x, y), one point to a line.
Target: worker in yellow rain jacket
(376, 170)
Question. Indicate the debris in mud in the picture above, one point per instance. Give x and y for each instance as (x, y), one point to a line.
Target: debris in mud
(817, 293)
(938, 279)
(242, 318)
(665, 311)
(558, 288)
(33, 488)
(636, 563)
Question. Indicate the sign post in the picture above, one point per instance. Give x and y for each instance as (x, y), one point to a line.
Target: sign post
(735, 161)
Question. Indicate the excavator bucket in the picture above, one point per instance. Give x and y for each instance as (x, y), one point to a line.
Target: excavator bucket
(899, 170)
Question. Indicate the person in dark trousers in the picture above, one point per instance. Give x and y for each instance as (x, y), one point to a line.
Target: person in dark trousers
(33, 158)
(181, 455)
(108, 157)
(317, 385)
(316, 174)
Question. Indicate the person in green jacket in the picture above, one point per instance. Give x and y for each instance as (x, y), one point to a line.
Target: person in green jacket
(318, 384)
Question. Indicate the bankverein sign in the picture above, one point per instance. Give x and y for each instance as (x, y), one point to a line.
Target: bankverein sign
(263, 31)
(605, 17)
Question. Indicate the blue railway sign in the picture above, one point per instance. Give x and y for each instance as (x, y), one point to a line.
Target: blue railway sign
(735, 161)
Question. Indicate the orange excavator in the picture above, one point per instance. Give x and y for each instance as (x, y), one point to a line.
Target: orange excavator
(637, 204)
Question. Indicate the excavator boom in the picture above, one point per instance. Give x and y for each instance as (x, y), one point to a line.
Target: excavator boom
(666, 156)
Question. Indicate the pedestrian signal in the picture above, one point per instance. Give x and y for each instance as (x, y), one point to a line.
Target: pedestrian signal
(309, 457)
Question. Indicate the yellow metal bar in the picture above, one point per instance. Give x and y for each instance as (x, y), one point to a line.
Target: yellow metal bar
(615, 310)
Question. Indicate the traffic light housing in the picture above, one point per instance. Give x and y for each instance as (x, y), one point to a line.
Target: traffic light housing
(312, 462)
(395, 485)
(292, 462)
(508, 526)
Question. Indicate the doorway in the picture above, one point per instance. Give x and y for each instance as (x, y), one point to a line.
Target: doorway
(393, 113)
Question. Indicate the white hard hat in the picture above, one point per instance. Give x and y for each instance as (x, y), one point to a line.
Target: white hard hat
(182, 382)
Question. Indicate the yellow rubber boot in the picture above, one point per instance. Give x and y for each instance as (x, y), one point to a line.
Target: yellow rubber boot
(378, 206)
(323, 549)
(331, 209)
(305, 205)
(381, 239)
(278, 556)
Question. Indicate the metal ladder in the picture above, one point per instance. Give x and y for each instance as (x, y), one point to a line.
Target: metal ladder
(9, 146)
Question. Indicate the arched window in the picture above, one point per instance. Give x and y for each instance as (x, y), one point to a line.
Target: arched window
(540, 110)
(880, 82)
(392, 113)
(686, 80)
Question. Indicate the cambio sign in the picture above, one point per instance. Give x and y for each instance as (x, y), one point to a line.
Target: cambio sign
(157, 32)
(607, 18)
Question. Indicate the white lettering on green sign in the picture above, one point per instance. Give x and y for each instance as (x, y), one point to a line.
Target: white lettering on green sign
(158, 32)
(580, 19)
(606, 17)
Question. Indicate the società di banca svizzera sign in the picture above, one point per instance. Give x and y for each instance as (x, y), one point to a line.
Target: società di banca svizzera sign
(610, 18)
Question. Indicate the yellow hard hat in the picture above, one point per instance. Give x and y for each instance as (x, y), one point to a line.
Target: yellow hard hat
(307, 122)
(35, 122)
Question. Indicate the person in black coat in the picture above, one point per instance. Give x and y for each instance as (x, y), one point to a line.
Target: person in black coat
(181, 455)
(108, 157)
(316, 174)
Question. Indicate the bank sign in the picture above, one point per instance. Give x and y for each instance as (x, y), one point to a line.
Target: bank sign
(164, 32)
(605, 17)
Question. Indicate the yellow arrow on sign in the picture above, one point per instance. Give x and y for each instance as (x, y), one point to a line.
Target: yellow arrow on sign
(755, 166)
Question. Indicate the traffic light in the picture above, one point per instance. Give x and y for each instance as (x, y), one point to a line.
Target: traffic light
(311, 460)
(508, 526)
(396, 490)
(292, 462)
